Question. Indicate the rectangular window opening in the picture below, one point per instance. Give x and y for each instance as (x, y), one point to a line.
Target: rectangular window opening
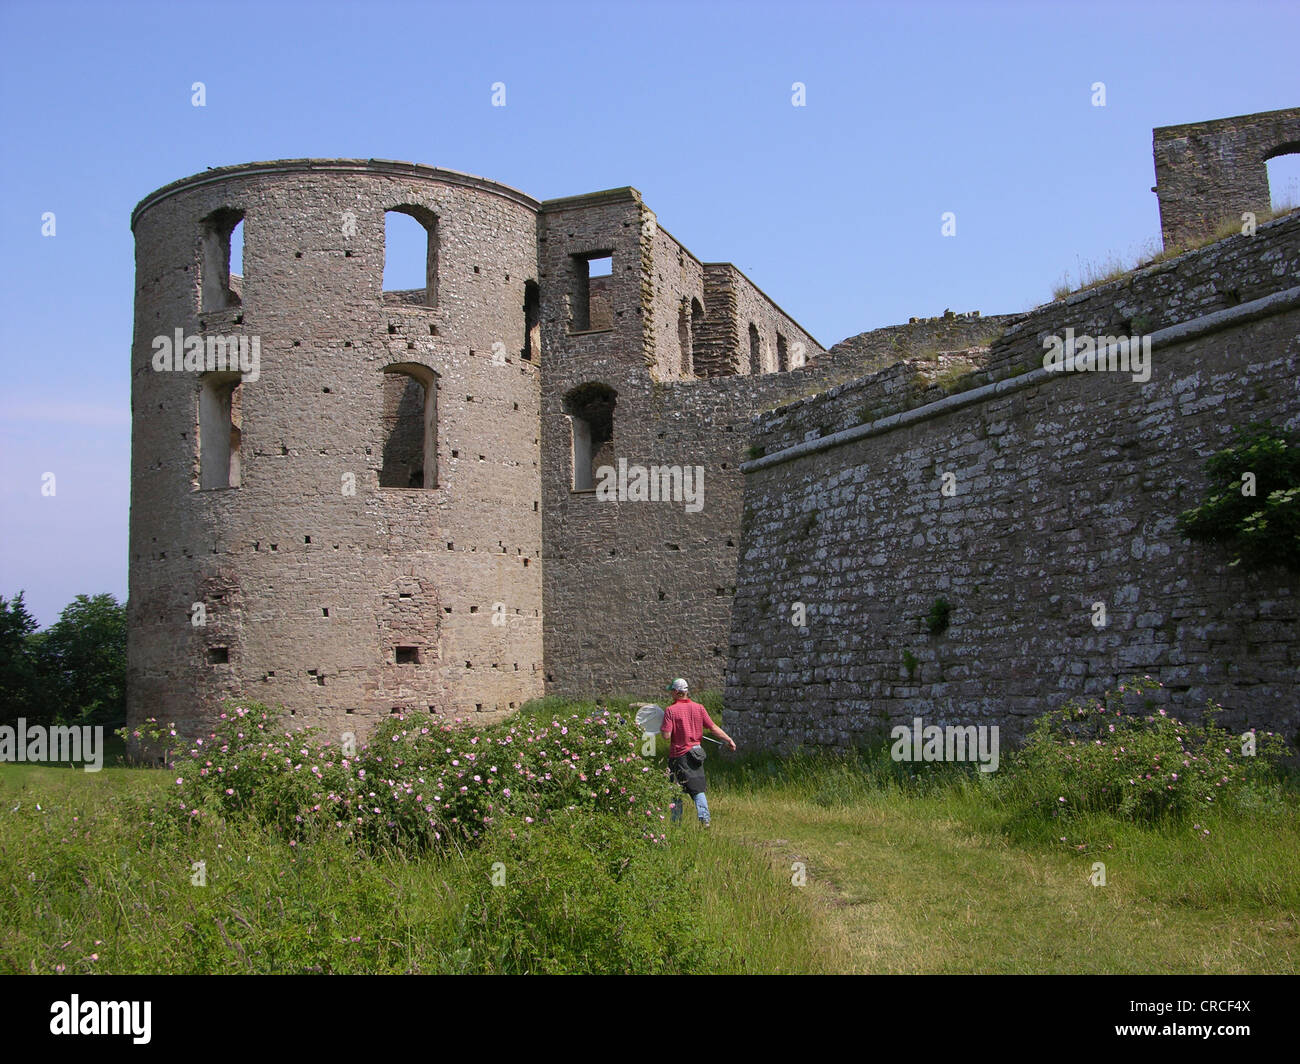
(590, 295)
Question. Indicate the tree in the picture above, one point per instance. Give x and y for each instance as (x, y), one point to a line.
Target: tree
(20, 681)
(82, 657)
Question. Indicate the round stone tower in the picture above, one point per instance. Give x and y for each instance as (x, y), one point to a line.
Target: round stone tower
(335, 489)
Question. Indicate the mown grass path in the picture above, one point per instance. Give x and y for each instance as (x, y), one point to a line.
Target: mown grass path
(915, 884)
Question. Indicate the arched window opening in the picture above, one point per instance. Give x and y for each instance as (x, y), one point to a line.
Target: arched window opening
(755, 361)
(532, 323)
(410, 427)
(220, 431)
(1284, 178)
(590, 411)
(220, 276)
(411, 256)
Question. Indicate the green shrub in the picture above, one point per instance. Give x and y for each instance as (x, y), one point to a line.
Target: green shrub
(421, 785)
(936, 621)
(1260, 529)
(1101, 756)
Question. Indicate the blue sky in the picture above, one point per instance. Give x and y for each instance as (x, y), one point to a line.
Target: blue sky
(834, 208)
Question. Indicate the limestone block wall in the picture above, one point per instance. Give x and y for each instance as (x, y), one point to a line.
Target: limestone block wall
(1067, 487)
(1211, 172)
(320, 590)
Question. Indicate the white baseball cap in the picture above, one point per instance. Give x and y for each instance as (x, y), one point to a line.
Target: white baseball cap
(678, 685)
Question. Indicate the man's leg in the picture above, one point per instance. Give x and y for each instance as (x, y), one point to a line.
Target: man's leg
(702, 808)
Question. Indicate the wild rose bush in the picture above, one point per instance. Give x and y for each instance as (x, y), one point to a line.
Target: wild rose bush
(1138, 763)
(417, 784)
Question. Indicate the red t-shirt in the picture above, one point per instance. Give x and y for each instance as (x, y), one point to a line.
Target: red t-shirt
(684, 724)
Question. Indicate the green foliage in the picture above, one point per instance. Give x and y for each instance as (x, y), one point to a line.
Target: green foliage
(1109, 757)
(83, 658)
(1262, 529)
(936, 621)
(582, 895)
(910, 663)
(755, 451)
(961, 376)
(74, 672)
(21, 691)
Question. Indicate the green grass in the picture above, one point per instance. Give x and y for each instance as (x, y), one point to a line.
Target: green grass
(90, 881)
(939, 875)
(915, 869)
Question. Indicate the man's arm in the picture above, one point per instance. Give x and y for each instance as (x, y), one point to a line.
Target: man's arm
(721, 734)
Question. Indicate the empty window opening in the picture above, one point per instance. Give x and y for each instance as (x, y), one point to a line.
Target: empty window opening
(532, 323)
(1284, 178)
(755, 363)
(590, 410)
(218, 655)
(782, 356)
(407, 655)
(410, 427)
(220, 430)
(221, 260)
(697, 333)
(589, 296)
(411, 256)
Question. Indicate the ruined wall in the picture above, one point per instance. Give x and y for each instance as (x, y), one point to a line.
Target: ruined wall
(1218, 277)
(309, 589)
(640, 591)
(774, 327)
(1066, 491)
(676, 277)
(1211, 172)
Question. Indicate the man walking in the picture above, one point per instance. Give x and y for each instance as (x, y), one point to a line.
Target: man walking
(684, 725)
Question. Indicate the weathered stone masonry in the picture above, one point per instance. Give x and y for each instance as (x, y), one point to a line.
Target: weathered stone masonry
(1067, 488)
(398, 514)
(360, 530)
(1208, 173)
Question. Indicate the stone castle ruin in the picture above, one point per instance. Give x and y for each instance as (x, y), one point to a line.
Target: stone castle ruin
(580, 461)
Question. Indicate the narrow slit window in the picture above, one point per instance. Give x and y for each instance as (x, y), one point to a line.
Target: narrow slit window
(782, 355)
(532, 323)
(697, 334)
(755, 362)
(684, 338)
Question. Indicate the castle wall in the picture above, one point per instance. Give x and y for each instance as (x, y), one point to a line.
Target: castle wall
(1067, 487)
(1212, 172)
(308, 587)
(640, 591)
